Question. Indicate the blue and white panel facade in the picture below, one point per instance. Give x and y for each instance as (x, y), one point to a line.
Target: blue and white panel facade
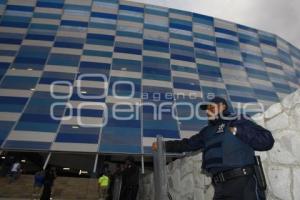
(108, 76)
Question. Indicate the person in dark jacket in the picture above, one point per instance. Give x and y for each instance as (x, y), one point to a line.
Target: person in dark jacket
(228, 143)
(130, 180)
(38, 183)
(50, 176)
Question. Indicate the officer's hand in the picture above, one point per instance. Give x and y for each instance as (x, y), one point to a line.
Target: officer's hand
(154, 146)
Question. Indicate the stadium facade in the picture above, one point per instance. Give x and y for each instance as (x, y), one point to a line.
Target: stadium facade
(68, 65)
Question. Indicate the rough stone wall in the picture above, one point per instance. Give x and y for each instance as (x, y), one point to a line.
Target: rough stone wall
(281, 164)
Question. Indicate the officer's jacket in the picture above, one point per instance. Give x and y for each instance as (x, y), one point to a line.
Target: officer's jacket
(221, 149)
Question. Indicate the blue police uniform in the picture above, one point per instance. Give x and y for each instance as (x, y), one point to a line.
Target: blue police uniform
(224, 152)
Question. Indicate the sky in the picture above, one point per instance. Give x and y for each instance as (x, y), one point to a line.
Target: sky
(281, 17)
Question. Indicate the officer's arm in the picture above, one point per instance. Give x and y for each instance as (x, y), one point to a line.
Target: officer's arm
(259, 138)
(186, 145)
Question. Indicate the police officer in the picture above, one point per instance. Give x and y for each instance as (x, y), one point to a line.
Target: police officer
(228, 143)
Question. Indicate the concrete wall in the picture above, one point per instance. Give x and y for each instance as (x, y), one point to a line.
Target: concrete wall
(281, 164)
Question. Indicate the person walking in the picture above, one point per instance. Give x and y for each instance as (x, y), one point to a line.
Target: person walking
(103, 186)
(50, 176)
(130, 180)
(228, 143)
(15, 171)
(39, 179)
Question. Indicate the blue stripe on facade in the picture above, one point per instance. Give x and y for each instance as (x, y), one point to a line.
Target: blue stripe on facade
(20, 8)
(205, 47)
(46, 15)
(128, 50)
(181, 26)
(252, 59)
(156, 43)
(198, 18)
(207, 57)
(103, 15)
(228, 32)
(73, 23)
(130, 19)
(85, 112)
(77, 138)
(49, 4)
(187, 86)
(155, 12)
(230, 61)
(16, 82)
(64, 59)
(68, 45)
(156, 71)
(100, 36)
(14, 24)
(44, 26)
(227, 42)
(37, 126)
(156, 27)
(4, 65)
(95, 65)
(181, 37)
(282, 87)
(131, 8)
(204, 37)
(183, 58)
(248, 40)
(10, 41)
(13, 100)
(246, 28)
(28, 60)
(38, 118)
(13, 144)
(40, 37)
(164, 133)
(267, 40)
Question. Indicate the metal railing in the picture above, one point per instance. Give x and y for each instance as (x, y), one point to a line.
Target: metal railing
(160, 171)
(117, 188)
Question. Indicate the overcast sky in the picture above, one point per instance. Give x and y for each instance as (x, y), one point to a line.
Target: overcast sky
(281, 17)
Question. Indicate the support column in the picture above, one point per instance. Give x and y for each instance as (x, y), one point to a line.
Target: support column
(143, 164)
(47, 161)
(94, 173)
(160, 177)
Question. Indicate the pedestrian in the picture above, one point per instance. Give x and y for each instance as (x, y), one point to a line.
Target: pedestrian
(228, 143)
(130, 180)
(39, 178)
(15, 171)
(50, 176)
(103, 182)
